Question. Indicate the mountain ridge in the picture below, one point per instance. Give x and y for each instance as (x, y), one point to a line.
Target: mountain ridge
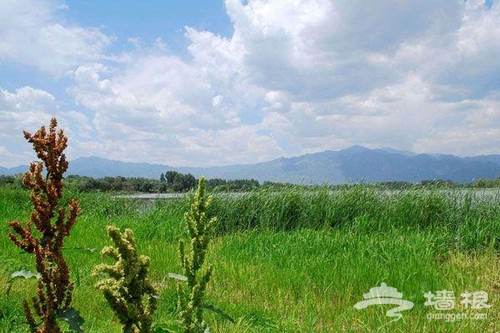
(353, 164)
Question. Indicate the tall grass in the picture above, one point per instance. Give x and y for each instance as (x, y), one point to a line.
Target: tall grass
(469, 222)
(291, 260)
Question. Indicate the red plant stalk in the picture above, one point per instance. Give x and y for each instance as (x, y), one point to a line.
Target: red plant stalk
(53, 223)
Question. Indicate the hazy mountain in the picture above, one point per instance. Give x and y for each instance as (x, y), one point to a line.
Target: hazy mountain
(99, 167)
(13, 171)
(349, 165)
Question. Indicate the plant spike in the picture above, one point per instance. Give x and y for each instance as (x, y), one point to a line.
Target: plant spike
(200, 230)
(54, 289)
(127, 289)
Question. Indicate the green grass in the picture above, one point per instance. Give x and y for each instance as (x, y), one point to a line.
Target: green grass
(288, 261)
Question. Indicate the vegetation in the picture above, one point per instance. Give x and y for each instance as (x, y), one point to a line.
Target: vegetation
(127, 287)
(200, 230)
(289, 260)
(181, 183)
(10, 181)
(486, 183)
(170, 182)
(173, 181)
(53, 223)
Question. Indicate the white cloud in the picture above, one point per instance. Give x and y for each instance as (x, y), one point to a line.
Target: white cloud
(21, 110)
(31, 34)
(26, 109)
(310, 74)
(296, 76)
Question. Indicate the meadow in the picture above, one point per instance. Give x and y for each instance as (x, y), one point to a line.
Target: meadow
(293, 260)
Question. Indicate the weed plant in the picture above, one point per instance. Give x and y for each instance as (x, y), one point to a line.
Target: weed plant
(197, 274)
(43, 234)
(126, 286)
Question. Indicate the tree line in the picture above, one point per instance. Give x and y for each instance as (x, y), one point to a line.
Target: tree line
(168, 182)
(176, 182)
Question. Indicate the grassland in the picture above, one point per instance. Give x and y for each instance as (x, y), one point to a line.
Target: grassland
(295, 260)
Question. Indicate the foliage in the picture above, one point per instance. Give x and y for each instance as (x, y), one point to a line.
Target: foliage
(438, 183)
(10, 181)
(178, 182)
(486, 183)
(278, 281)
(127, 289)
(233, 185)
(118, 183)
(173, 181)
(197, 275)
(53, 223)
(170, 182)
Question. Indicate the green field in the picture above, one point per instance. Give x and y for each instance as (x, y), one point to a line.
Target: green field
(294, 260)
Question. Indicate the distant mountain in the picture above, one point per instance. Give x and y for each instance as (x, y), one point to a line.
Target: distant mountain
(99, 167)
(13, 171)
(354, 164)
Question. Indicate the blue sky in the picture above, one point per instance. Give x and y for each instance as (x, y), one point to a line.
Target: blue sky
(220, 82)
(150, 19)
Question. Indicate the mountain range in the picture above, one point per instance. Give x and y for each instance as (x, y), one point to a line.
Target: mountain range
(353, 164)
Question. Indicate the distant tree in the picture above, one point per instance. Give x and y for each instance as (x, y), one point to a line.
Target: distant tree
(178, 182)
(189, 182)
(486, 183)
(162, 187)
(437, 183)
(233, 185)
(395, 185)
(7, 180)
(215, 183)
(170, 176)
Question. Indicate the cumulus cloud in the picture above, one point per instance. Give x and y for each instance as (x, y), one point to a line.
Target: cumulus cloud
(31, 33)
(26, 109)
(21, 110)
(294, 77)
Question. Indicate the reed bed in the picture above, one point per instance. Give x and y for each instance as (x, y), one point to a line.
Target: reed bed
(293, 260)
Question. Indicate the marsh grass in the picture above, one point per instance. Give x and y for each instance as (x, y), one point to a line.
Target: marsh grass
(288, 261)
(467, 220)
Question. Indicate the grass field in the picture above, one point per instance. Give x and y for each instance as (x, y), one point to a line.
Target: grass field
(296, 260)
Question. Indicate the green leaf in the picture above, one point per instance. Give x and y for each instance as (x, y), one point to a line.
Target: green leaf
(166, 328)
(83, 249)
(179, 277)
(74, 319)
(218, 311)
(24, 274)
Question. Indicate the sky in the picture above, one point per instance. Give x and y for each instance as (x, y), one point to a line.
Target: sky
(206, 82)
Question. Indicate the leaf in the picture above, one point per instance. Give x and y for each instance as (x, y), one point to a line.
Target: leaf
(166, 328)
(218, 311)
(179, 277)
(25, 274)
(74, 319)
(84, 249)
